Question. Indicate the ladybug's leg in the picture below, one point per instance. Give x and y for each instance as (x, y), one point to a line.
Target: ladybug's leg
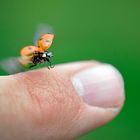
(32, 66)
(50, 66)
(34, 61)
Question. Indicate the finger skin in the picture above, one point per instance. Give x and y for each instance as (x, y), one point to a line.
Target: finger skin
(43, 104)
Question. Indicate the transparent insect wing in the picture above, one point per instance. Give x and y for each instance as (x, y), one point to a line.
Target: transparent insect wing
(41, 29)
(12, 65)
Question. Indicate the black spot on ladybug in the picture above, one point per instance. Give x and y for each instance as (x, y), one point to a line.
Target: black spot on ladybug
(40, 38)
(29, 48)
(47, 41)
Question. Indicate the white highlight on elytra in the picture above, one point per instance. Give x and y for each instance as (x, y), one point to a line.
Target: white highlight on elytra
(44, 55)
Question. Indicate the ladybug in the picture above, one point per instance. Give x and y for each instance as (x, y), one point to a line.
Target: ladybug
(39, 54)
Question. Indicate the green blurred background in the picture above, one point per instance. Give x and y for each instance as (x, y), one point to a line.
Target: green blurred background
(105, 30)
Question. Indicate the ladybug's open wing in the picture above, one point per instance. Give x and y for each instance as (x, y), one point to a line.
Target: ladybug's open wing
(14, 65)
(11, 65)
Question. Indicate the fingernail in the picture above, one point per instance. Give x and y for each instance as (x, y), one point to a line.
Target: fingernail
(100, 86)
